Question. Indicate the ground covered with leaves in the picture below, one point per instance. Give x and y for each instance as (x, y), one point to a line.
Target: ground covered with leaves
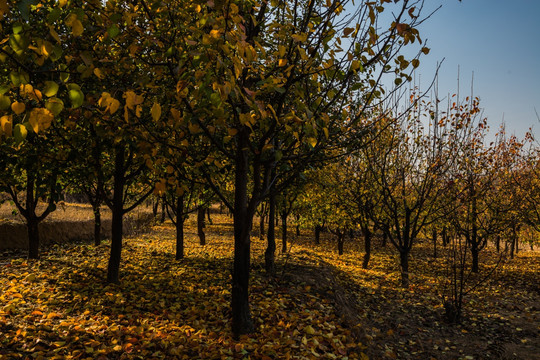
(320, 305)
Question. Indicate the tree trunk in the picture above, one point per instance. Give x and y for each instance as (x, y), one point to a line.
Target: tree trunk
(404, 264)
(269, 254)
(340, 241)
(474, 253)
(208, 215)
(163, 211)
(113, 271)
(513, 243)
(155, 207)
(241, 316)
(434, 237)
(318, 229)
(498, 243)
(97, 223)
(180, 227)
(261, 223)
(201, 225)
(384, 239)
(283, 233)
(31, 219)
(367, 246)
(32, 226)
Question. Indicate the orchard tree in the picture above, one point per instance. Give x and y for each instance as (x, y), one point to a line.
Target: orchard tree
(35, 84)
(407, 163)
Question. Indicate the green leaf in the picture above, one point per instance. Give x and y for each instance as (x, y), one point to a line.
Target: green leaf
(55, 106)
(18, 43)
(17, 28)
(19, 133)
(113, 31)
(76, 97)
(54, 15)
(5, 102)
(51, 88)
(19, 78)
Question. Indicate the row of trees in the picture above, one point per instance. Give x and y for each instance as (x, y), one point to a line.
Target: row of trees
(241, 101)
(429, 173)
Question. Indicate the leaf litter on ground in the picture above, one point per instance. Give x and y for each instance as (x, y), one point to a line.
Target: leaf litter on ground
(320, 305)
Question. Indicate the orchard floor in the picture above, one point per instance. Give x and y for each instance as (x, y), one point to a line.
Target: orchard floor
(319, 305)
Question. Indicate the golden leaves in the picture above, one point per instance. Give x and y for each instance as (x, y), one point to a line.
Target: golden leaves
(132, 99)
(18, 107)
(110, 104)
(6, 125)
(40, 119)
(156, 111)
(76, 25)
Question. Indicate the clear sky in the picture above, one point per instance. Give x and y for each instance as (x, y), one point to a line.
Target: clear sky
(498, 40)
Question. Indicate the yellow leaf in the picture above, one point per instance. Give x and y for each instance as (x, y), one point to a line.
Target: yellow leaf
(215, 34)
(160, 187)
(54, 34)
(282, 62)
(132, 99)
(103, 99)
(309, 330)
(46, 48)
(6, 124)
(113, 106)
(156, 111)
(99, 73)
(176, 114)
(77, 28)
(53, 315)
(18, 107)
(312, 141)
(40, 118)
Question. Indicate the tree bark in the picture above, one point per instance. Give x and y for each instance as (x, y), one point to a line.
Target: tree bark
(404, 263)
(269, 254)
(97, 224)
(32, 226)
(318, 229)
(384, 239)
(434, 238)
(283, 232)
(242, 322)
(498, 243)
(201, 225)
(208, 215)
(31, 219)
(180, 227)
(474, 253)
(340, 241)
(163, 211)
(113, 270)
(367, 247)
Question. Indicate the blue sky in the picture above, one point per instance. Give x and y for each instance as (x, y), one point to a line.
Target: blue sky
(498, 40)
